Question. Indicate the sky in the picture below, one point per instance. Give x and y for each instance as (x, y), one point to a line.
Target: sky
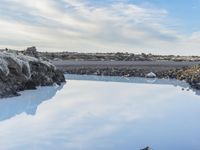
(136, 26)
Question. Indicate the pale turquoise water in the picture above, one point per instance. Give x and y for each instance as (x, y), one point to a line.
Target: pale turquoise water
(90, 113)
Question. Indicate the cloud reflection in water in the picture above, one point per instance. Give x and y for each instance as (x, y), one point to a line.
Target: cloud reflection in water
(88, 115)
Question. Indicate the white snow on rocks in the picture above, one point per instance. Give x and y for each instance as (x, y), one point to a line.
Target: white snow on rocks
(20, 60)
(4, 66)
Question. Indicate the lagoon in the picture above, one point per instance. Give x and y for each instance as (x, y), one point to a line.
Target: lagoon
(103, 113)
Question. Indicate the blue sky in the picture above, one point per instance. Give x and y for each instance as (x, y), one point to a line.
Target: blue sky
(150, 26)
(184, 11)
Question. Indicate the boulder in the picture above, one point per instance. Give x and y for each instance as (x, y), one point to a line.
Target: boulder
(31, 51)
(20, 72)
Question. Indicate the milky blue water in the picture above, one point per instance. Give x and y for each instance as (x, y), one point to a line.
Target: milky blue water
(102, 113)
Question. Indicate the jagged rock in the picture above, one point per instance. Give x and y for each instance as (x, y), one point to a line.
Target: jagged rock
(31, 51)
(19, 72)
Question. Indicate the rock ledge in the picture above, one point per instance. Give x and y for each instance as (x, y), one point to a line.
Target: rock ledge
(20, 72)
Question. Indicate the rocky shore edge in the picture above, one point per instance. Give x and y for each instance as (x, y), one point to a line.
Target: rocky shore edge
(191, 75)
(25, 70)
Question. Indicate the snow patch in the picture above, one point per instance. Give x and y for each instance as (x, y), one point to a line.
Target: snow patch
(4, 66)
(48, 64)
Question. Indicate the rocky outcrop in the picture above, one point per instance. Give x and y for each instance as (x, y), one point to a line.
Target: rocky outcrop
(190, 74)
(19, 72)
(31, 51)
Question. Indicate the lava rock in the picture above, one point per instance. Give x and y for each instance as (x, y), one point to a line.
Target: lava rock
(19, 72)
(31, 51)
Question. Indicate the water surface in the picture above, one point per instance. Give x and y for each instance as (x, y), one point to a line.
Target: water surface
(103, 113)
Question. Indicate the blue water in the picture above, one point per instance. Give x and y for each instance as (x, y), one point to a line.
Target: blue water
(102, 113)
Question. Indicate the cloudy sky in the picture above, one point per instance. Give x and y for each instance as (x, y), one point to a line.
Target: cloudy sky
(156, 26)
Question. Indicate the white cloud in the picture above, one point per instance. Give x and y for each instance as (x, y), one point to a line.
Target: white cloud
(81, 26)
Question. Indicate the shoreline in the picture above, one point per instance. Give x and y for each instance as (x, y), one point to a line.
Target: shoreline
(27, 69)
(184, 71)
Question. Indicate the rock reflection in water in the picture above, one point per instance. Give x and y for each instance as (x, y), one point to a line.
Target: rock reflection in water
(27, 103)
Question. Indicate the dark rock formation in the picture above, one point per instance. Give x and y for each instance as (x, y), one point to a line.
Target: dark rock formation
(191, 75)
(19, 72)
(31, 51)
